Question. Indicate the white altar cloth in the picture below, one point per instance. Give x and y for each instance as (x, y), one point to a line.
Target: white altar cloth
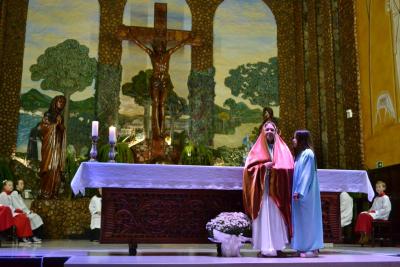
(158, 176)
(123, 175)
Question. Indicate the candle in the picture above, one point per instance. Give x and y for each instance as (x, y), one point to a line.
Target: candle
(95, 128)
(112, 137)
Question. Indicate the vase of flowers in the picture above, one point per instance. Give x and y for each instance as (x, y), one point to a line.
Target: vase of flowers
(230, 230)
(233, 223)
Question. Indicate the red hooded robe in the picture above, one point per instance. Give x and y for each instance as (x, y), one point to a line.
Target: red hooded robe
(280, 179)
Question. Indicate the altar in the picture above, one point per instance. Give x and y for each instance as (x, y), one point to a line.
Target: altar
(146, 203)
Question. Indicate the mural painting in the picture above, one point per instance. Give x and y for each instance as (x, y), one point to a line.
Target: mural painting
(61, 57)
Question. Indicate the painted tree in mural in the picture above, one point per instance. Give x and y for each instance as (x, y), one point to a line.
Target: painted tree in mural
(138, 88)
(231, 104)
(240, 112)
(232, 115)
(256, 82)
(224, 117)
(65, 68)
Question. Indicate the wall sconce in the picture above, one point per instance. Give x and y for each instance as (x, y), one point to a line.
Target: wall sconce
(349, 113)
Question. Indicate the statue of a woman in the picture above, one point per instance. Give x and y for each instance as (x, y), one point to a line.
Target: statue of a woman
(53, 151)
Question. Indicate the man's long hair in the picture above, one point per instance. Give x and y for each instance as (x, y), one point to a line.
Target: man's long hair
(303, 138)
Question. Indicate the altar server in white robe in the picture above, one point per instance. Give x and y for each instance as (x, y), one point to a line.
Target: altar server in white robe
(21, 221)
(380, 210)
(18, 203)
(95, 212)
(346, 209)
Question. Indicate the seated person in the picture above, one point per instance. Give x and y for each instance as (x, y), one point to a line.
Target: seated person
(22, 223)
(380, 210)
(35, 220)
(95, 212)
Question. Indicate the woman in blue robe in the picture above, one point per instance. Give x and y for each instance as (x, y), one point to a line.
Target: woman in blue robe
(306, 203)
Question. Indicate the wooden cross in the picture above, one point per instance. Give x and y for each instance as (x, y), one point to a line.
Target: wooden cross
(160, 31)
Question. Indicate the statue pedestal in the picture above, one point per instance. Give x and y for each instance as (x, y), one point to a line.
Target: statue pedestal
(63, 218)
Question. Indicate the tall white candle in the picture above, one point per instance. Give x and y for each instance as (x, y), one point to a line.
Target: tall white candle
(95, 128)
(112, 137)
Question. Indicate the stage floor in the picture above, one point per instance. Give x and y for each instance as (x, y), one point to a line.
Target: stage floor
(85, 253)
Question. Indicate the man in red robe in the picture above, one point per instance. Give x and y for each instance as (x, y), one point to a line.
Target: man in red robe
(267, 185)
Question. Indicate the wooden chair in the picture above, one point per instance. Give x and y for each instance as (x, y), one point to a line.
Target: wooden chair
(381, 231)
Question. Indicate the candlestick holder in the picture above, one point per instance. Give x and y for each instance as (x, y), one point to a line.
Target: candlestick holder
(93, 150)
(112, 153)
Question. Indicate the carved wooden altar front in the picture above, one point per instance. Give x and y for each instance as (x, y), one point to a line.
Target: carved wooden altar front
(134, 216)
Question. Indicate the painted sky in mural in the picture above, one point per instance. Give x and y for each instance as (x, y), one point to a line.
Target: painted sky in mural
(51, 22)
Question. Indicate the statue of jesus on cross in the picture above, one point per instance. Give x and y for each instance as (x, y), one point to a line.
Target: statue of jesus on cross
(160, 81)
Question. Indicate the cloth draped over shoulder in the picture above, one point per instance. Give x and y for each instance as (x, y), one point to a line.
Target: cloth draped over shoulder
(280, 178)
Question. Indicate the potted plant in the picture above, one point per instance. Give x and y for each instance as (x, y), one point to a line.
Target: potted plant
(231, 230)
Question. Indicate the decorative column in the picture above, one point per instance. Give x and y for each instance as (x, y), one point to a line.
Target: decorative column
(201, 82)
(312, 77)
(340, 111)
(300, 41)
(109, 69)
(327, 67)
(13, 16)
(351, 91)
(331, 87)
(291, 94)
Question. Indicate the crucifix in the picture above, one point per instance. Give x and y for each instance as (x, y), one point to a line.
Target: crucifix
(159, 38)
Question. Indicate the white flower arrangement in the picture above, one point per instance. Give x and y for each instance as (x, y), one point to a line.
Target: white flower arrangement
(233, 223)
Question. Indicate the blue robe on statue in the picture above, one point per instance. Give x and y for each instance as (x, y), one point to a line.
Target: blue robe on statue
(306, 211)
